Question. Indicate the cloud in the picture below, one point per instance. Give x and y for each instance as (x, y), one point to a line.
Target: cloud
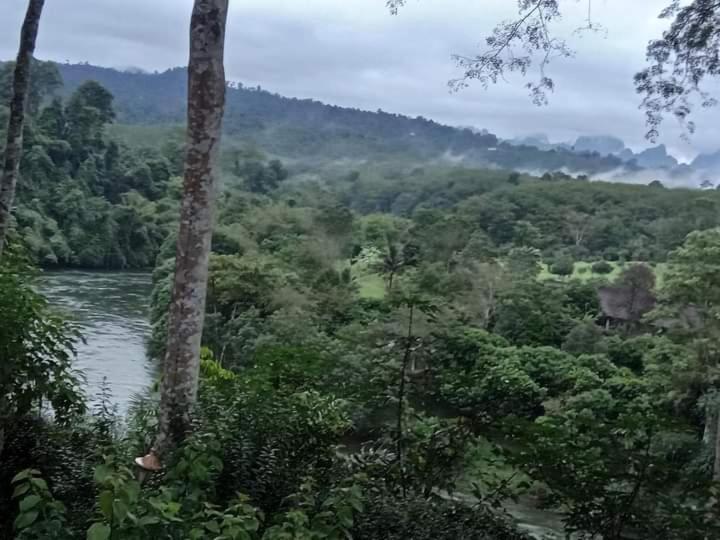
(353, 53)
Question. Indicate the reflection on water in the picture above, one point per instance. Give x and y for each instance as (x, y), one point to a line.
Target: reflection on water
(112, 311)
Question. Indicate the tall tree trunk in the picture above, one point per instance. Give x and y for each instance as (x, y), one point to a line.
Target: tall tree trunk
(206, 101)
(711, 424)
(21, 86)
(715, 433)
(401, 401)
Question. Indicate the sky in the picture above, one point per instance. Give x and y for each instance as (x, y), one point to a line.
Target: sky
(354, 53)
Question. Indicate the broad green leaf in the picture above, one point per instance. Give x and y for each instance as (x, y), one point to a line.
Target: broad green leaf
(98, 531)
(25, 519)
(120, 510)
(106, 504)
(29, 502)
(101, 473)
(148, 520)
(20, 490)
(22, 475)
(39, 483)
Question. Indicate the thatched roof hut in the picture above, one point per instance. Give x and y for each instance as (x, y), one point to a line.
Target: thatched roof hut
(624, 303)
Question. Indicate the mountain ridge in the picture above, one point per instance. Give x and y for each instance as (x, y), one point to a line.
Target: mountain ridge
(310, 129)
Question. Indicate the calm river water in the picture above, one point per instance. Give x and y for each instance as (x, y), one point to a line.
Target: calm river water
(112, 311)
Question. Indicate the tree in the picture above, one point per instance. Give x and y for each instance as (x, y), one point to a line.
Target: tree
(88, 111)
(396, 258)
(206, 103)
(563, 266)
(532, 313)
(685, 56)
(524, 263)
(690, 301)
(14, 138)
(261, 178)
(45, 80)
(36, 350)
(682, 59)
(639, 282)
(577, 224)
(607, 456)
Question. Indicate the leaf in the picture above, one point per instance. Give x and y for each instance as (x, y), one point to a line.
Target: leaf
(131, 492)
(101, 473)
(39, 483)
(98, 531)
(148, 520)
(29, 502)
(120, 510)
(22, 475)
(106, 503)
(26, 519)
(20, 490)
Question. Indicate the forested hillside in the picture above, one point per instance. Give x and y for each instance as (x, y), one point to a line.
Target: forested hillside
(308, 129)
(100, 194)
(84, 199)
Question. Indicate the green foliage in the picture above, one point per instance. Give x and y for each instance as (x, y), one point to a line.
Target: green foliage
(524, 262)
(602, 267)
(260, 178)
(83, 200)
(305, 347)
(584, 338)
(529, 314)
(607, 457)
(690, 293)
(430, 519)
(563, 266)
(318, 514)
(39, 515)
(36, 349)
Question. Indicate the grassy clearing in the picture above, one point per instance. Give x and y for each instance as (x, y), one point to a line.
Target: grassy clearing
(372, 286)
(583, 271)
(136, 136)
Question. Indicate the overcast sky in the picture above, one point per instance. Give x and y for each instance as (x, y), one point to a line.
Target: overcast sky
(353, 53)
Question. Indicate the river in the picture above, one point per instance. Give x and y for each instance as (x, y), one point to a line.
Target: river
(111, 309)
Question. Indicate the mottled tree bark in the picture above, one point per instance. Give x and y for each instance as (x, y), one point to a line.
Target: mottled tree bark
(206, 101)
(715, 434)
(13, 144)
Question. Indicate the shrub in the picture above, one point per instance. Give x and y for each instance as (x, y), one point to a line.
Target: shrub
(602, 267)
(430, 519)
(563, 266)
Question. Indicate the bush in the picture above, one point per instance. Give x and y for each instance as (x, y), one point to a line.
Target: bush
(563, 266)
(418, 518)
(584, 338)
(611, 254)
(602, 267)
